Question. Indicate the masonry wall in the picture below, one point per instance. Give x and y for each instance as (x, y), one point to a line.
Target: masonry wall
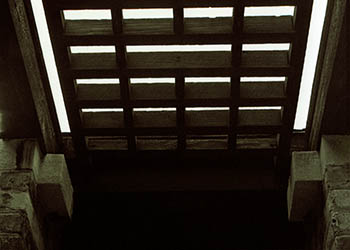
(35, 197)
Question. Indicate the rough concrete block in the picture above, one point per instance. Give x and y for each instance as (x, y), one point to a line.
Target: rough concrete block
(12, 241)
(337, 177)
(305, 184)
(8, 153)
(341, 243)
(55, 190)
(335, 150)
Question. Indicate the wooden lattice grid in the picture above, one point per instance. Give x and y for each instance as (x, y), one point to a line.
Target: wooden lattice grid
(231, 125)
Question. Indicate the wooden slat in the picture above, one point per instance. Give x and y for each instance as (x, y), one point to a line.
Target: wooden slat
(189, 72)
(155, 119)
(206, 144)
(264, 59)
(36, 75)
(160, 31)
(269, 25)
(196, 94)
(156, 143)
(262, 93)
(148, 26)
(164, 60)
(207, 118)
(103, 119)
(155, 91)
(154, 131)
(93, 61)
(91, 4)
(106, 143)
(256, 142)
(87, 27)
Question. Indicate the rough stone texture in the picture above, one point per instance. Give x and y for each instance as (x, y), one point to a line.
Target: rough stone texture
(341, 243)
(16, 181)
(335, 160)
(54, 186)
(305, 184)
(337, 177)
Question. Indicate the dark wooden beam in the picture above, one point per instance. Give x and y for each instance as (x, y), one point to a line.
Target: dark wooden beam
(67, 79)
(297, 55)
(120, 62)
(324, 73)
(236, 61)
(92, 4)
(23, 21)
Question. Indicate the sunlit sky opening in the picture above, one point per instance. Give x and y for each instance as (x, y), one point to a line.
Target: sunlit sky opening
(308, 72)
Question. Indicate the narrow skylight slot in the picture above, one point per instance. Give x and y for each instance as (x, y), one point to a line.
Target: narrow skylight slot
(208, 12)
(269, 11)
(154, 109)
(92, 49)
(152, 80)
(207, 108)
(178, 48)
(207, 79)
(98, 81)
(261, 108)
(263, 79)
(103, 110)
(312, 48)
(50, 64)
(266, 47)
(87, 14)
(147, 13)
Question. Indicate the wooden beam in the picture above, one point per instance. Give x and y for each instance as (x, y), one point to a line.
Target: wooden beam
(36, 74)
(236, 61)
(325, 72)
(297, 55)
(67, 80)
(92, 4)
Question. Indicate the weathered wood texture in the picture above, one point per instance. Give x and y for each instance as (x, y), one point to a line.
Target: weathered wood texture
(325, 72)
(68, 83)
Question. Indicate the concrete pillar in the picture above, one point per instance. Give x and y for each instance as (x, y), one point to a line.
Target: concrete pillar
(321, 182)
(33, 188)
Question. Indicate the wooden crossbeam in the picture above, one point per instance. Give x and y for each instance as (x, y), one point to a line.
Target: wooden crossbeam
(236, 62)
(297, 55)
